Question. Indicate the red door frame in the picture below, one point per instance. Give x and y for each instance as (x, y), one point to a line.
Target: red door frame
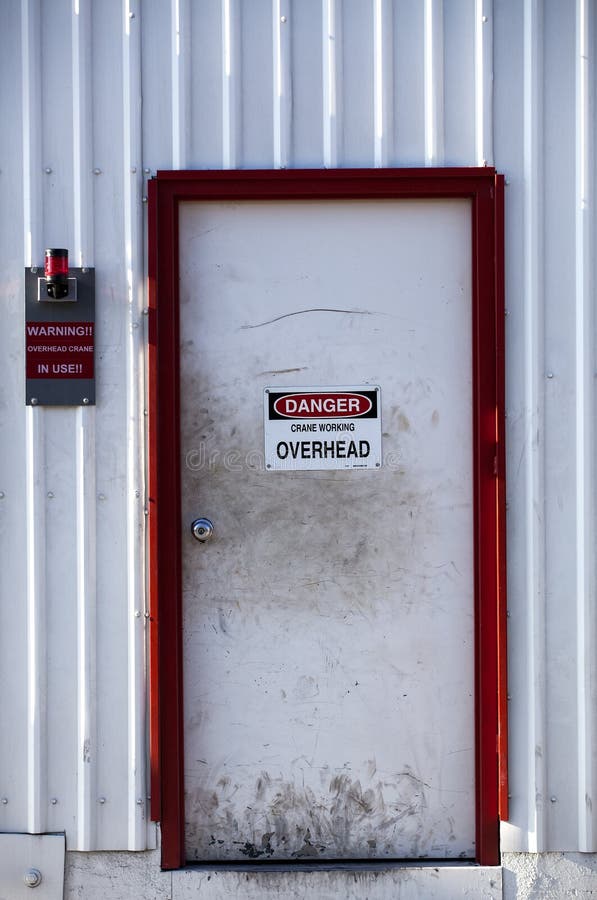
(485, 189)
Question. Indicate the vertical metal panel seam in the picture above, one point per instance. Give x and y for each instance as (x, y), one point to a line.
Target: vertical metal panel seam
(383, 82)
(35, 443)
(82, 132)
(86, 628)
(534, 458)
(36, 624)
(231, 12)
(133, 235)
(484, 82)
(282, 86)
(585, 508)
(434, 82)
(85, 448)
(180, 39)
(331, 56)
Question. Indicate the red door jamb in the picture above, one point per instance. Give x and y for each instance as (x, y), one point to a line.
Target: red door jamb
(485, 190)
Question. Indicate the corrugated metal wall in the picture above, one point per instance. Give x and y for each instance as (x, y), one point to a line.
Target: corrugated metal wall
(97, 95)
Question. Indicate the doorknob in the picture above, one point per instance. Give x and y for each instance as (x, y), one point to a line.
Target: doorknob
(202, 529)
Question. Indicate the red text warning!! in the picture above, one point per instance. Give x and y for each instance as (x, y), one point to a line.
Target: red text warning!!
(59, 350)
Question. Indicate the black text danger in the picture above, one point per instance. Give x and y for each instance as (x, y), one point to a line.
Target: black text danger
(323, 449)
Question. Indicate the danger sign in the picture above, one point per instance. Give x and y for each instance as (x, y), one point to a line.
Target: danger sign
(323, 428)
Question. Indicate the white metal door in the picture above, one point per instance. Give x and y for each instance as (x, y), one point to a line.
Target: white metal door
(328, 624)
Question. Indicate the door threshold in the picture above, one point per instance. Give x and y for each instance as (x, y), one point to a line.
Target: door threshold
(327, 865)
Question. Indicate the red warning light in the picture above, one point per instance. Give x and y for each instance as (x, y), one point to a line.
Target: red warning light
(56, 273)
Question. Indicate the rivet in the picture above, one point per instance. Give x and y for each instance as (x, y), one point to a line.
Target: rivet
(133, 169)
(2, 495)
(54, 801)
(143, 199)
(84, 270)
(506, 181)
(146, 511)
(147, 171)
(97, 171)
(553, 799)
(131, 15)
(283, 20)
(147, 616)
(139, 801)
(101, 496)
(506, 312)
(550, 374)
(145, 412)
(135, 324)
(146, 311)
(48, 170)
(101, 800)
(34, 401)
(137, 493)
(509, 696)
(50, 495)
(484, 19)
(508, 614)
(4, 801)
(137, 614)
(32, 877)
(34, 270)
(85, 401)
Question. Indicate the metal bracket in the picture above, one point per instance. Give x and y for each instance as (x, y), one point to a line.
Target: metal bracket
(32, 866)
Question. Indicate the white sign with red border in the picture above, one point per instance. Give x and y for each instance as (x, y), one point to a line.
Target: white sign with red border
(323, 427)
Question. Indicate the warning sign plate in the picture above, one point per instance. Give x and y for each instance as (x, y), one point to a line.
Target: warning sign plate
(323, 427)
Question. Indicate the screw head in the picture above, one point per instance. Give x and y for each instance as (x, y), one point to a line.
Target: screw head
(34, 401)
(85, 401)
(32, 877)
(4, 801)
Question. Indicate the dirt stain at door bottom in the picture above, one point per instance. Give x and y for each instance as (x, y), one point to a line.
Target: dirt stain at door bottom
(284, 821)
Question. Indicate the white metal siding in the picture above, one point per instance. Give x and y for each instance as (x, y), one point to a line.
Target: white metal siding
(96, 93)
